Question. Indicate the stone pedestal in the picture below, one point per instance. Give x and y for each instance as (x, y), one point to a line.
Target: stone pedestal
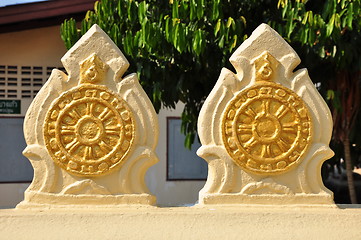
(265, 130)
(91, 134)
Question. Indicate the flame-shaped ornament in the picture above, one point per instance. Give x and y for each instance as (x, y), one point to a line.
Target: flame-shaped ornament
(91, 135)
(269, 130)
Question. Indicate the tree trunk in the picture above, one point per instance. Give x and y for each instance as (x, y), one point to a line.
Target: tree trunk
(349, 172)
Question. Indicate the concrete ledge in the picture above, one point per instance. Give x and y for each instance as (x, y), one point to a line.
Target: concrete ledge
(49, 200)
(210, 222)
(291, 199)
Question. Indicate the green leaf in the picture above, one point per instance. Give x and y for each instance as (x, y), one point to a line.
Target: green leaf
(69, 33)
(192, 11)
(146, 28)
(290, 24)
(322, 52)
(230, 22)
(168, 30)
(202, 36)
(175, 35)
(215, 9)
(120, 9)
(342, 12)
(156, 92)
(96, 7)
(115, 34)
(196, 44)
(189, 140)
(304, 35)
(183, 125)
(343, 2)
(175, 9)
(200, 9)
(311, 37)
(349, 15)
(221, 42)
(181, 45)
(337, 21)
(281, 3)
(344, 22)
(243, 19)
(128, 43)
(175, 21)
(137, 40)
(234, 43)
(310, 18)
(330, 94)
(305, 18)
(142, 9)
(130, 11)
(334, 51)
(285, 10)
(217, 27)
(330, 25)
(84, 26)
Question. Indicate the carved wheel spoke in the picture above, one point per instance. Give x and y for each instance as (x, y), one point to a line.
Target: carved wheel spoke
(89, 108)
(281, 112)
(250, 112)
(244, 128)
(266, 151)
(266, 107)
(250, 143)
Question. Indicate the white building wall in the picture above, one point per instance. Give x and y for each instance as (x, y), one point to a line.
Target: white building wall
(170, 193)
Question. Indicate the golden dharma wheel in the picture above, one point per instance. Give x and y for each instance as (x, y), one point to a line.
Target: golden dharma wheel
(89, 130)
(266, 128)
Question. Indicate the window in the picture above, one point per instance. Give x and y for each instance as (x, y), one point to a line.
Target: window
(14, 167)
(182, 163)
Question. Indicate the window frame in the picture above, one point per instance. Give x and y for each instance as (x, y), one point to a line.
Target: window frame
(20, 181)
(168, 178)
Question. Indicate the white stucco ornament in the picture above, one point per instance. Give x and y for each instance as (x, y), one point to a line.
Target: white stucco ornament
(91, 134)
(265, 130)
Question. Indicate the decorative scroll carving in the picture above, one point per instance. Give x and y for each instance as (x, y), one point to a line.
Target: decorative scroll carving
(91, 134)
(265, 129)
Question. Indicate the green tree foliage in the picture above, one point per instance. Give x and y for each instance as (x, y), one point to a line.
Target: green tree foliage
(328, 34)
(177, 48)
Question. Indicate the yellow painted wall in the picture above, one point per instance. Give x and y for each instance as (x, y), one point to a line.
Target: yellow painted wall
(42, 46)
(216, 222)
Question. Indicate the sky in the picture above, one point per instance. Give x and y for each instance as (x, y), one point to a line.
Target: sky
(4, 3)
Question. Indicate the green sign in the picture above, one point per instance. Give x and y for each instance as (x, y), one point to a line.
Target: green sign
(10, 106)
